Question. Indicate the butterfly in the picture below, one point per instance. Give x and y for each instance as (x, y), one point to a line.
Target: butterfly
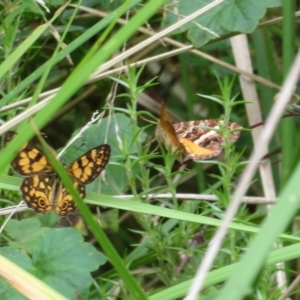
(42, 189)
(196, 140)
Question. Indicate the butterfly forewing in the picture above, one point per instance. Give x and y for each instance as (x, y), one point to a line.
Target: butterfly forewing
(165, 132)
(29, 160)
(89, 166)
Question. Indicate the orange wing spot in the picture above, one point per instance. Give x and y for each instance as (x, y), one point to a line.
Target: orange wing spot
(94, 154)
(35, 180)
(32, 154)
(23, 154)
(42, 185)
(77, 173)
(43, 161)
(24, 161)
(39, 194)
(195, 150)
(75, 166)
(88, 171)
(84, 161)
(37, 166)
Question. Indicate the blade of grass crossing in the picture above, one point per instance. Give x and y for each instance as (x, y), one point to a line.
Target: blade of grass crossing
(255, 257)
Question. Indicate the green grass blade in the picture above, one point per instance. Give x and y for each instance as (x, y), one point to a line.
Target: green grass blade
(64, 52)
(18, 53)
(218, 276)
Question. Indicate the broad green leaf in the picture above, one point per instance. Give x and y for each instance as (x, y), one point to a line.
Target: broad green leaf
(230, 16)
(58, 257)
(116, 128)
(24, 233)
(64, 261)
(17, 256)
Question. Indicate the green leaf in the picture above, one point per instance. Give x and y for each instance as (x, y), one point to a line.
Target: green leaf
(64, 261)
(241, 16)
(59, 257)
(17, 256)
(272, 3)
(25, 233)
(54, 2)
(116, 128)
(230, 16)
(7, 293)
(116, 181)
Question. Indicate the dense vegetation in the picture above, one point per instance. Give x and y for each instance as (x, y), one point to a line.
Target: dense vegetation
(75, 76)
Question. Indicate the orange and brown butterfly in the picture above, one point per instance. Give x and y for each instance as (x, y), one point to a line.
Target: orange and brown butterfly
(196, 140)
(42, 189)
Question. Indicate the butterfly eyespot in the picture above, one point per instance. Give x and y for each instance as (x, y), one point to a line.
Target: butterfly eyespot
(41, 202)
(65, 205)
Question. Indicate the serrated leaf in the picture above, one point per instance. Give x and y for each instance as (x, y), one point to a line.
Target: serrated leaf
(25, 232)
(242, 16)
(63, 250)
(64, 261)
(230, 16)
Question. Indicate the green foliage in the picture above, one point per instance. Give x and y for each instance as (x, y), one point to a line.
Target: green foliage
(231, 16)
(58, 256)
(156, 243)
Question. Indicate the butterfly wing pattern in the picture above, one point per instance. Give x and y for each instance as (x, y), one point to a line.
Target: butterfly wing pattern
(42, 189)
(29, 161)
(202, 134)
(196, 140)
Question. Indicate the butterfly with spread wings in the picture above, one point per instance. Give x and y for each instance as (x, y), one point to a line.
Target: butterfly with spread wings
(42, 189)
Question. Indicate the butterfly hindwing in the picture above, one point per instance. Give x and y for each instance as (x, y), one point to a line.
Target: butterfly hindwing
(36, 191)
(64, 202)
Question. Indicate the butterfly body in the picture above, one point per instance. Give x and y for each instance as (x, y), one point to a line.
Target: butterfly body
(165, 132)
(42, 189)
